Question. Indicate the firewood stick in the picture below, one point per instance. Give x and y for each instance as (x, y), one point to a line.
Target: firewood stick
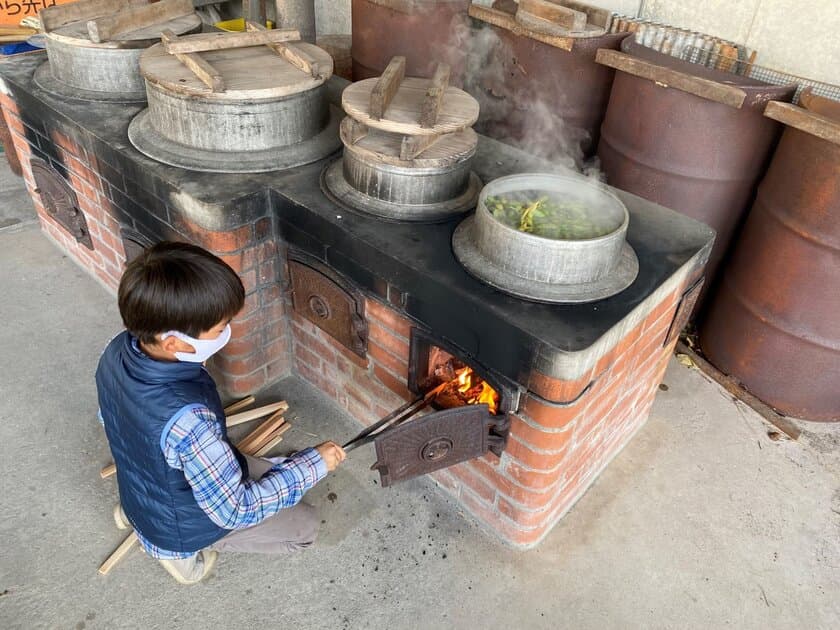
(246, 416)
(259, 412)
(109, 471)
(254, 440)
(119, 553)
(273, 440)
(239, 404)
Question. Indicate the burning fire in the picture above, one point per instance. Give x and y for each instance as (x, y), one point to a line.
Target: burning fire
(471, 390)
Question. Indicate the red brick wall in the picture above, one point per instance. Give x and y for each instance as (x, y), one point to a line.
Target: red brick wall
(369, 388)
(108, 257)
(556, 450)
(260, 351)
(563, 435)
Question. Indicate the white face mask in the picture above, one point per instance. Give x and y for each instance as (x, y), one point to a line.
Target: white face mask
(204, 348)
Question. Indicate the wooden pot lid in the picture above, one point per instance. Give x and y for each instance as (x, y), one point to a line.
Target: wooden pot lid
(458, 110)
(387, 148)
(253, 72)
(126, 24)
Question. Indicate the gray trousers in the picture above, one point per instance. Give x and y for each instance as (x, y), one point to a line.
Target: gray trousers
(289, 530)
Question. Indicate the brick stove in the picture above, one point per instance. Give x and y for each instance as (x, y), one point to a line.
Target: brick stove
(577, 380)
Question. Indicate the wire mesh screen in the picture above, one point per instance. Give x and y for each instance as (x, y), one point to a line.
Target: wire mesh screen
(760, 73)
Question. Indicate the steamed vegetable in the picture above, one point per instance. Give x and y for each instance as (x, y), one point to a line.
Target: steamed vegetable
(548, 217)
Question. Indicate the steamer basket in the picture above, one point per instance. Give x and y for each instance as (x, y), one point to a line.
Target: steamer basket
(548, 269)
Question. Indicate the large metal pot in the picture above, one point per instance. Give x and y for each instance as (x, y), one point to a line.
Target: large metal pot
(107, 71)
(277, 118)
(258, 125)
(435, 186)
(546, 269)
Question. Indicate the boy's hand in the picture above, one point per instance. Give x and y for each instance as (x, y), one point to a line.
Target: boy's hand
(332, 453)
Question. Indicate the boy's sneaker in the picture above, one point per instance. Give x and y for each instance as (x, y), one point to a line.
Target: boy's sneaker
(120, 518)
(193, 569)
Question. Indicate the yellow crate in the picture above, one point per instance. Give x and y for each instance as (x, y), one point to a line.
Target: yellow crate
(237, 25)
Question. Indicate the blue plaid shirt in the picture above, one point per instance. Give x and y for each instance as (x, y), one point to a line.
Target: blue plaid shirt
(195, 445)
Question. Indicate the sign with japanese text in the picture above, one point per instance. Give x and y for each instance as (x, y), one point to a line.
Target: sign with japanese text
(13, 11)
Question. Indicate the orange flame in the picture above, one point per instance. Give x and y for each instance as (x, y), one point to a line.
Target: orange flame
(468, 380)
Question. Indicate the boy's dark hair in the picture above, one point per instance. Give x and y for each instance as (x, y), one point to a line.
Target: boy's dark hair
(177, 286)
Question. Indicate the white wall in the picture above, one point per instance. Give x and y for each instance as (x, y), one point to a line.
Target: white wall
(789, 35)
(802, 38)
(332, 17)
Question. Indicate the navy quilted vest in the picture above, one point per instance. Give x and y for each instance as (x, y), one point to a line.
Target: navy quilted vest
(140, 398)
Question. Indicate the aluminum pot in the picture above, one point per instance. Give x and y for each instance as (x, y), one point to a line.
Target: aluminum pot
(257, 125)
(552, 260)
(416, 182)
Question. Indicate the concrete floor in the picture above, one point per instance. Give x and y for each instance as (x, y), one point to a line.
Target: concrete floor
(702, 522)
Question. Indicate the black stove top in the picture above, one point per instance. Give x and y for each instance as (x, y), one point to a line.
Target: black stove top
(416, 259)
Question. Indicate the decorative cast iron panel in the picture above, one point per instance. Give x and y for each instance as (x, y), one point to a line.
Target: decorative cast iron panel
(329, 303)
(60, 201)
(438, 440)
(684, 310)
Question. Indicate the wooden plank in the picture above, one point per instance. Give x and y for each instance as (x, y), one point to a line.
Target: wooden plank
(434, 96)
(273, 440)
(595, 15)
(386, 87)
(508, 22)
(279, 408)
(239, 404)
(413, 146)
(119, 553)
(384, 148)
(298, 58)
(106, 28)
(203, 42)
(198, 66)
(256, 438)
(254, 414)
(668, 78)
(557, 14)
(60, 15)
(810, 122)
(108, 471)
(732, 386)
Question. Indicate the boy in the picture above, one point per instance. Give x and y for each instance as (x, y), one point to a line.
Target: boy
(185, 490)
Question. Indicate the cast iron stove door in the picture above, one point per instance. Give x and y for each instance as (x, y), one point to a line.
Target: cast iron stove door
(438, 440)
(60, 201)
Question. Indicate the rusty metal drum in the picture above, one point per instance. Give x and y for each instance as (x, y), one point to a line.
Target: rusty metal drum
(548, 99)
(688, 137)
(774, 322)
(425, 32)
